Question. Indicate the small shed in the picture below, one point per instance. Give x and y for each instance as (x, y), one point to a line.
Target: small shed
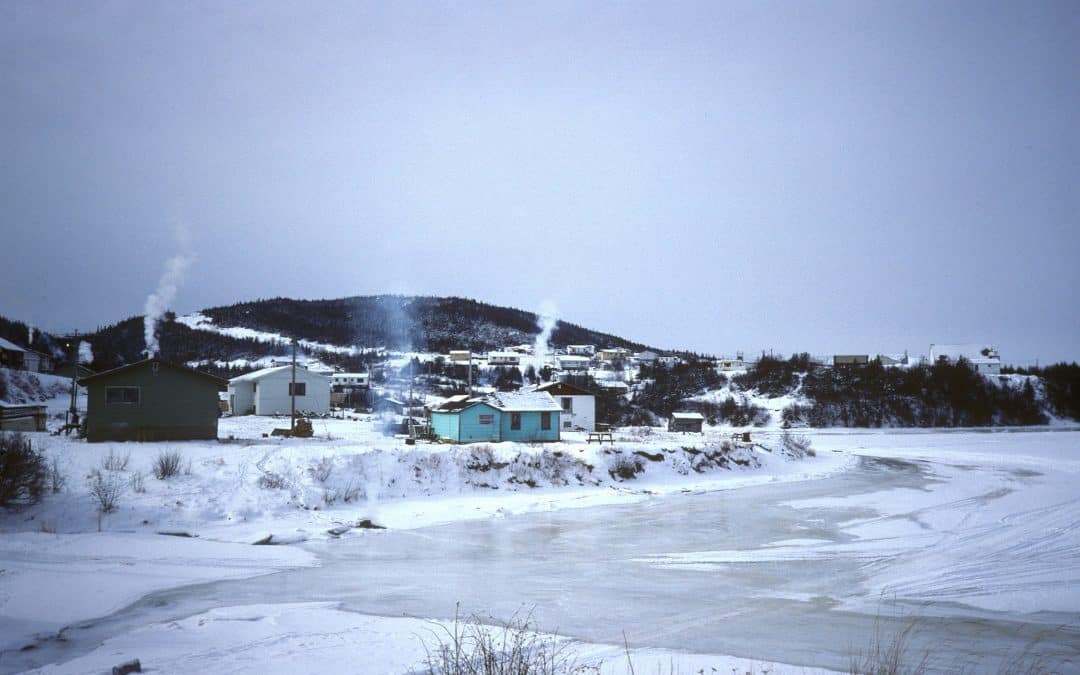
(22, 417)
(152, 400)
(688, 422)
(12, 355)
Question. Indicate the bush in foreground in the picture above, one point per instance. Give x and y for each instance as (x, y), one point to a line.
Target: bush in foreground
(469, 647)
(167, 464)
(23, 471)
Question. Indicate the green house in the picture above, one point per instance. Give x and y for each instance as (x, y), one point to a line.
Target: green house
(524, 417)
(152, 400)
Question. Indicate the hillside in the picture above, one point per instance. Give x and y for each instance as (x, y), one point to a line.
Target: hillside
(341, 329)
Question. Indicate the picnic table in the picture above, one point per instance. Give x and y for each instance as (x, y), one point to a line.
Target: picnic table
(600, 434)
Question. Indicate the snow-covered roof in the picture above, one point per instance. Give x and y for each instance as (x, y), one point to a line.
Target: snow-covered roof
(503, 355)
(10, 346)
(524, 401)
(687, 416)
(260, 374)
(572, 358)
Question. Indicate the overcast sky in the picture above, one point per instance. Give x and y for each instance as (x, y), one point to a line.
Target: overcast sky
(838, 177)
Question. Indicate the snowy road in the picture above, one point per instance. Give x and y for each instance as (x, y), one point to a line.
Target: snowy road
(972, 536)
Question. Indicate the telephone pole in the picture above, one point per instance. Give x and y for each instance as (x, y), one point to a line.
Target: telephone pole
(292, 391)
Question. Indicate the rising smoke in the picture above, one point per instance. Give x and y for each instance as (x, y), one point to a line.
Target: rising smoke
(157, 303)
(86, 355)
(545, 321)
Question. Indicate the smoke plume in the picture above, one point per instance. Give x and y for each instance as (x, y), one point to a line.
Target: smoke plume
(86, 355)
(157, 303)
(545, 321)
(29, 335)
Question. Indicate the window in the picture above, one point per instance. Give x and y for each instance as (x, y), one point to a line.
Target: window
(545, 421)
(567, 424)
(122, 395)
(515, 421)
(567, 404)
(301, 389)
(487, 419)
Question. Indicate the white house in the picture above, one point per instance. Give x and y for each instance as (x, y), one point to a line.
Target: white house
(460, 355)
(569, 362)
(578, 405)
(647, 356)
(503, 358)
(983, 358)
(581, 350)
(349, 380)
(266, 392)
(613, 354)
(727, 365)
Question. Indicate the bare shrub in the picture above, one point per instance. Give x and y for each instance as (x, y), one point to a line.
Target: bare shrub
(115, 462)
(57, 479)
(167, 464)
(469, 647)
(797, 445)
(22, 471)
(322, 469)
(106, 489)
(625, 467)
(272, 481)
(138, 482)
(889, 655)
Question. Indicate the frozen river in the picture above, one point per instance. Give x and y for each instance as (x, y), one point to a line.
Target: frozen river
(974, 538)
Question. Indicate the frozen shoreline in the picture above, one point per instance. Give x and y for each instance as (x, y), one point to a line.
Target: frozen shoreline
(977, 482)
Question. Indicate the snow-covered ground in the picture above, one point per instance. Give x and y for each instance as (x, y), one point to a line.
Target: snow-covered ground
(983, 523)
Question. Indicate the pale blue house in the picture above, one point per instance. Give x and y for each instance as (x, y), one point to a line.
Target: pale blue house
(524, 417)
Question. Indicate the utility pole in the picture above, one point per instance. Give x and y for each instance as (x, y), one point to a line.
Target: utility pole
(470, 373)
(73, 345)
(292, 390)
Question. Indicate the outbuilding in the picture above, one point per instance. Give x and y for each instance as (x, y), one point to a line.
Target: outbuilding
(268, 392)
(578, 405)
(689, 422)
(152, 400)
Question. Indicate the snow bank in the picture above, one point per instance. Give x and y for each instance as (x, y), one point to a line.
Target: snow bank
(48, 581)
(323, 638)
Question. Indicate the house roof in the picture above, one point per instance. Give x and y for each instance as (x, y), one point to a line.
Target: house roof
(10, 346)
(260, 374)
(145, 363)
(564, 389)
(687, 416)
(573, 357)
(524, 401)
(457, 403)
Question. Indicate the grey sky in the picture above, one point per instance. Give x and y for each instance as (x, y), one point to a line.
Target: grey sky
(833, 177)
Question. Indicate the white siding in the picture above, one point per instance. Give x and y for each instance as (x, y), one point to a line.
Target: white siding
(582, 414)
(241, 398)
(272, 393)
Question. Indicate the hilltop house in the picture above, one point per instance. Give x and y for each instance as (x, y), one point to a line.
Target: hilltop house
(503, 358)
(983, 358)
(152, 400)
(460, 355)
(726, 365)
(523, 417)
(578, 405)
(569, 362)
(850, 359)
(581, 350)
(613, 354)
(268, 392)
